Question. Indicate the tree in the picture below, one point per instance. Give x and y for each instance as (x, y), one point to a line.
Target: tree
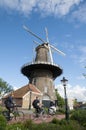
(75, 103)
(59, 99)
(4, 87)
(84, 73)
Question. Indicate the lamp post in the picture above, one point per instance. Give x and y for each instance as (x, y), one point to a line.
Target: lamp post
(30, 100)
(64, 82)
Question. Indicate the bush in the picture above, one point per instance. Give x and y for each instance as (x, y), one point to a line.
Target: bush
(44, 126)
(61, 125)
(55, 121)
(80, 116)
(3, 122)
(71, 125)
(28, 124)
(64, 122)
(0, 107)
(61, 110)
(15, 126)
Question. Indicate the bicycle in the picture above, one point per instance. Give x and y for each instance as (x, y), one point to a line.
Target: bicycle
(39, 115)
(15, 114)
(52, 110)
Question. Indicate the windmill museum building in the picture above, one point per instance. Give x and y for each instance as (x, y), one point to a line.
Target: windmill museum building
(42, 73)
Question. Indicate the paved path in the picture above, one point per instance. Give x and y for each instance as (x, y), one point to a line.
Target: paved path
(48, 118)
(38, 120)
(29, 115)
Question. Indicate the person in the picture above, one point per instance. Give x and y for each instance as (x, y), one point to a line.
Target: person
(52, 103)
(9, 104)
(36, 105)
(52, 108)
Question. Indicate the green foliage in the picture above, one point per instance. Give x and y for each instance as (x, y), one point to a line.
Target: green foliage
(71, 125)
(1, 109)
(53, 125)
(28, 124)
(75, 103)
(44, 126)
(77, 122)
(80, 116)
(15, 126)
(67, 125)
(63, 122)
(84, 73)
(61, 110)
(59, 99)
(55, 121)
(4, 87)
(3, 122)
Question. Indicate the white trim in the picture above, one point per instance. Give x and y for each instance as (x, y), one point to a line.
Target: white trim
(45, 97)
(33, 93)
(26, 94)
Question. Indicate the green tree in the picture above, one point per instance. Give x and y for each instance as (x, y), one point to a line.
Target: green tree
(84, 73)
(4, 87)
(75, 103)
(59, 99)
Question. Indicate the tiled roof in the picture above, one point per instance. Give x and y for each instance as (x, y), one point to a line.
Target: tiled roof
(19, 93)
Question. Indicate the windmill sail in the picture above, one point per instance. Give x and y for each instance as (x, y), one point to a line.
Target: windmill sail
(28, 30)
(57, 50)
(46, 44)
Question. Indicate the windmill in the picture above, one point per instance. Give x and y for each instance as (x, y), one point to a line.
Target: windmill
(45, 43)
(42, 72)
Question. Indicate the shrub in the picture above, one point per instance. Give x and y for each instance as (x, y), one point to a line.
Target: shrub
(61, 110)
(44, 126)
(28, 124)
(80, 116)
(0, 108)
(55, 121)
(63, 122)
(3, 122)
(15, 126)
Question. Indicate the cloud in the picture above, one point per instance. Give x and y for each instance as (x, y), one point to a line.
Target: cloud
(80, 14)
(82, 58)
(23, 6)
(77, 92)
(45, 7)
(57, 7)
(81, 77)
(82, 49)
(9, 4)
(78, 53)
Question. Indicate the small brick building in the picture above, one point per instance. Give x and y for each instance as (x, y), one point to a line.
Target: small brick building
(25, 95)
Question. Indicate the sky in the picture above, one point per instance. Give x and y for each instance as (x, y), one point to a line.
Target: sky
(65, 21)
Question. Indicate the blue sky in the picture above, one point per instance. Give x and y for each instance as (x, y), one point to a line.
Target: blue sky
(66, 24)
